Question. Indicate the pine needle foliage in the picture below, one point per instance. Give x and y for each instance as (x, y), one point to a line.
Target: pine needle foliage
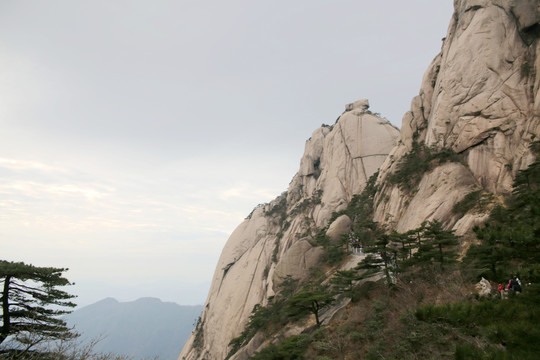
(32, 305)
(417, 162)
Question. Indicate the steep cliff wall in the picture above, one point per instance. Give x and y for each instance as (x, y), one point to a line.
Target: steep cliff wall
(476, 113)
(479, 98)
(273, 242)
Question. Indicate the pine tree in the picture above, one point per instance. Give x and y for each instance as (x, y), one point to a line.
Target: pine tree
(491, 255)
(310, 299)
(32, 304)
(406, 244)
(438, 244)
(380, 256)
(344, 279)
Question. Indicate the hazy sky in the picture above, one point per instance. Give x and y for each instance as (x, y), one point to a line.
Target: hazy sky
(135, 135)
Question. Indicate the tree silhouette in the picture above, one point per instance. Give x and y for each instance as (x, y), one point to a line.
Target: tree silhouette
(32, 304)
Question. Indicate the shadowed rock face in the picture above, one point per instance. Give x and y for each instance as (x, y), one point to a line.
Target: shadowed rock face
(479, 98)
(273, 242)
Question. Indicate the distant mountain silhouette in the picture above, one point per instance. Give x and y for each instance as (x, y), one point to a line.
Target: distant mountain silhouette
(146, 327)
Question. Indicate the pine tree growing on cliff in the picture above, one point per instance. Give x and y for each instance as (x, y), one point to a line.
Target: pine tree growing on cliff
(380, 257)
(437, 244)
(344, 280)
(310, 299)
(32, 304)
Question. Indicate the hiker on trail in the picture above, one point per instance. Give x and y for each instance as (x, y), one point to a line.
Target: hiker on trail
(501, 291)
(354, 242)
(513, 285)
(517, 285)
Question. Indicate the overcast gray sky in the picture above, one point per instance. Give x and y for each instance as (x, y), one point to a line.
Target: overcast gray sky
(136, 135)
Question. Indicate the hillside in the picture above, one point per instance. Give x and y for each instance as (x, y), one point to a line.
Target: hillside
(146, 327)
(418, 202)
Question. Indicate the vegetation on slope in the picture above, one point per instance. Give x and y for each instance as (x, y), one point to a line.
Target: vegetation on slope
(417, 162)
(426, 307)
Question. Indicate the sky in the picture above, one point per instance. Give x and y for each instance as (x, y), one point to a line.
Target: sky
(136, 135)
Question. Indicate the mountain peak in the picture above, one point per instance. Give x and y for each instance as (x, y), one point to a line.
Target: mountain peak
(468, 131)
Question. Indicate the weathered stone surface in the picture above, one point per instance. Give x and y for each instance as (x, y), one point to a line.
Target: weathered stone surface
(239, 283)
(479, 97)
(527, 13)
(483, 288)
(361, 105)
(339, 227)
(341, 160)
(469, 221)
(297, 262)
(437, 194)
(337, 162)
(251, 348)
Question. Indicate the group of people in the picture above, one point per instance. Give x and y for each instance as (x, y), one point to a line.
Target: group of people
(514, 284)
(355, 244)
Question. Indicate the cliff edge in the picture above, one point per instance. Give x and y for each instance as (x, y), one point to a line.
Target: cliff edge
(468, 131)
(274, 241)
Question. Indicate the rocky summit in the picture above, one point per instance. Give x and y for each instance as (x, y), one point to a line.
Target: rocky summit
(273, 241)
(468, 131)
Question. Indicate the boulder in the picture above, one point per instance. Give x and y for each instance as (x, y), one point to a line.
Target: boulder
(297, 262)
(339, 228)
(483, 288)
(362, 105)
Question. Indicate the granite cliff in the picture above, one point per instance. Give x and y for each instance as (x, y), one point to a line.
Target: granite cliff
(476, 114)
(479, 98)
(273, 241)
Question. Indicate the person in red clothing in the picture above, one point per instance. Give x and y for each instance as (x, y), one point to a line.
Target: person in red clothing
(501, 290)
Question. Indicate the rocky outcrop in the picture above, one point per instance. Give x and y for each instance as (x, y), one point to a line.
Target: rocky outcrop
(478, 106)
(340, 226)
(274, 241)
(483, 288)
(478, 98)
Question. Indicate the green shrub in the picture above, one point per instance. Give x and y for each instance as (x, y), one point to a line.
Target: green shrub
(417, 162)
(510, 325)
(467, 203)
(292, 348)
(477, 200)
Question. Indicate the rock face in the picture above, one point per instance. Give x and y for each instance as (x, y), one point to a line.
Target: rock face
(479, 98)
(274, 241)
(478, 104)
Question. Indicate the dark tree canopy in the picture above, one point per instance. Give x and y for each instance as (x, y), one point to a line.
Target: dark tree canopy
(310, 299)
(32, 304)
(510, 239)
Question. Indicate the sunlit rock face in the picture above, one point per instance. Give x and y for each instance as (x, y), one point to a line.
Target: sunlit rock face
(479, 97)
(274, 242)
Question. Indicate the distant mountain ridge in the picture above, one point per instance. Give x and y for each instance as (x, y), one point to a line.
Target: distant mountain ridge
(147, 327)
